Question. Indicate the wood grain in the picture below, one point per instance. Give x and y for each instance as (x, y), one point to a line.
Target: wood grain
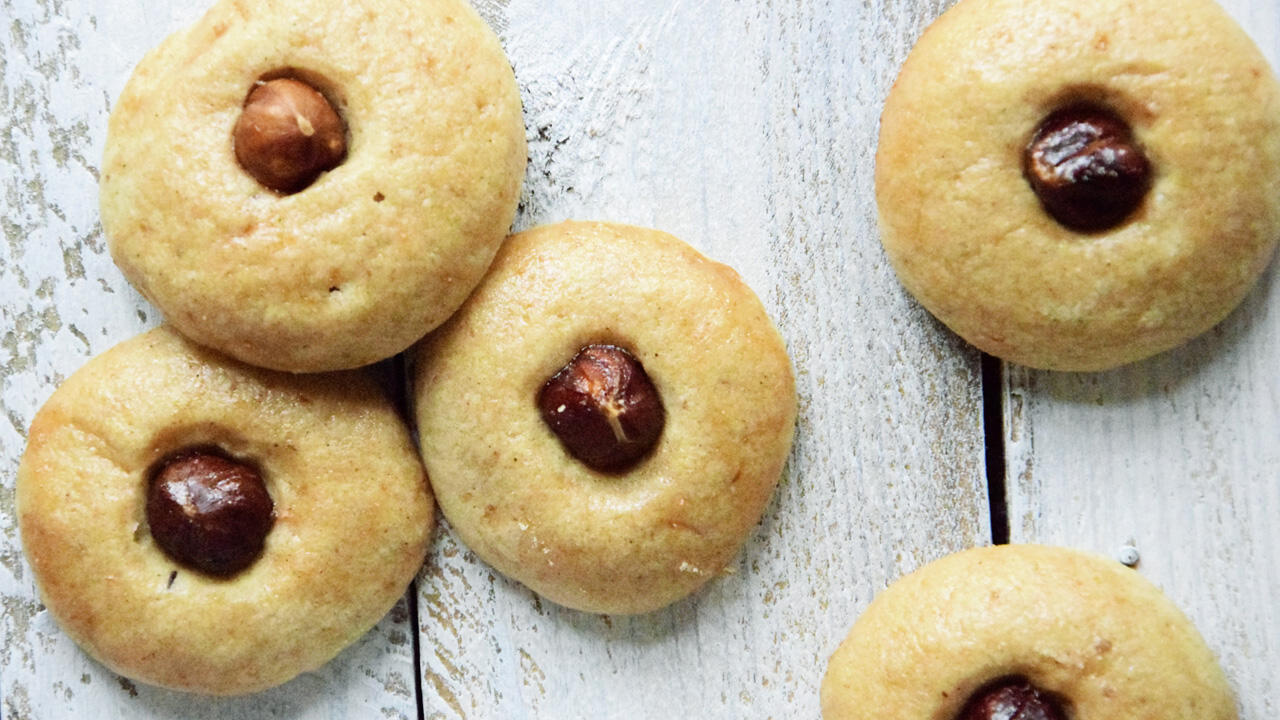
(748, 129)
(1176, 456)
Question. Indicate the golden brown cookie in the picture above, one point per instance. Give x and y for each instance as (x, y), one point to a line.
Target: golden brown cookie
(350, 514)
(650, 528)
(1130, 262)
(1091, 637)
(374, 252)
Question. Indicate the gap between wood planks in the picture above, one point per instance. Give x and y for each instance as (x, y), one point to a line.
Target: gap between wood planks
(394, 372)
(993, 441)
(417, 650)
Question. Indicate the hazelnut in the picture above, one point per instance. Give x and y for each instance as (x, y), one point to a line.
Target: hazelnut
(604, 408)
(208, 512)
(1086, 168)
(1012, 699)
(288, 134)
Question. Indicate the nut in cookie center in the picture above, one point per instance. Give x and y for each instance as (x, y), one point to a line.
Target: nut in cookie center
(1013, 698)
(1086, 167)
(208, 511)
(289, 131)
(604, 409)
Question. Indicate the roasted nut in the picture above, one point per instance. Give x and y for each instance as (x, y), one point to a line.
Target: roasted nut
(1086, 168)
(1012, 699)
(604, 408)
(208, 512)
(288, 134)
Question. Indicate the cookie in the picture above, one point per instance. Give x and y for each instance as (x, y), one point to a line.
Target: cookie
(1079, 184)
(584, 340)
(1058, 632)
(262, 229)
(162, 579)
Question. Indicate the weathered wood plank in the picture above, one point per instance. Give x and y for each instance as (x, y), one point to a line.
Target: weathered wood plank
(61, 302)
(748, 129)
(1176, 456)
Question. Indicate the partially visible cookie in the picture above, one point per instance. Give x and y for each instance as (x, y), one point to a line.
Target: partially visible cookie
(1078, 184)
(607, 416)
(213, 587)
(313, 185)
(1062, 633)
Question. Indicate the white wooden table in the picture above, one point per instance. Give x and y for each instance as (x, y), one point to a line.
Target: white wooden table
(747, 128)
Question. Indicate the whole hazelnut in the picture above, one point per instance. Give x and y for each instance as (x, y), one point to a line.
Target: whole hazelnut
(1012, 699)
(1086, 168)
(209, 512)
(604, 408)
(287, 134)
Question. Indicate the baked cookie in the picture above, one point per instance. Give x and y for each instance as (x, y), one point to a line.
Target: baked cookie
(605, 419)
(1078, 184)
(1058, 633)
(314, 184)
(207, 526)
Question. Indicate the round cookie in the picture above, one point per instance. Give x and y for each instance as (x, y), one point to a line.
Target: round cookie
(970, 238)
(377, 251)
(626, 541)
(1089, 633)
(352, 514)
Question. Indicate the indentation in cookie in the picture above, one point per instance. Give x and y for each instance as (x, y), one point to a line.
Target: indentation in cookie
(1012, 698)
(1086, 167)
(288, 133)
(208, 511)
(604, 408)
